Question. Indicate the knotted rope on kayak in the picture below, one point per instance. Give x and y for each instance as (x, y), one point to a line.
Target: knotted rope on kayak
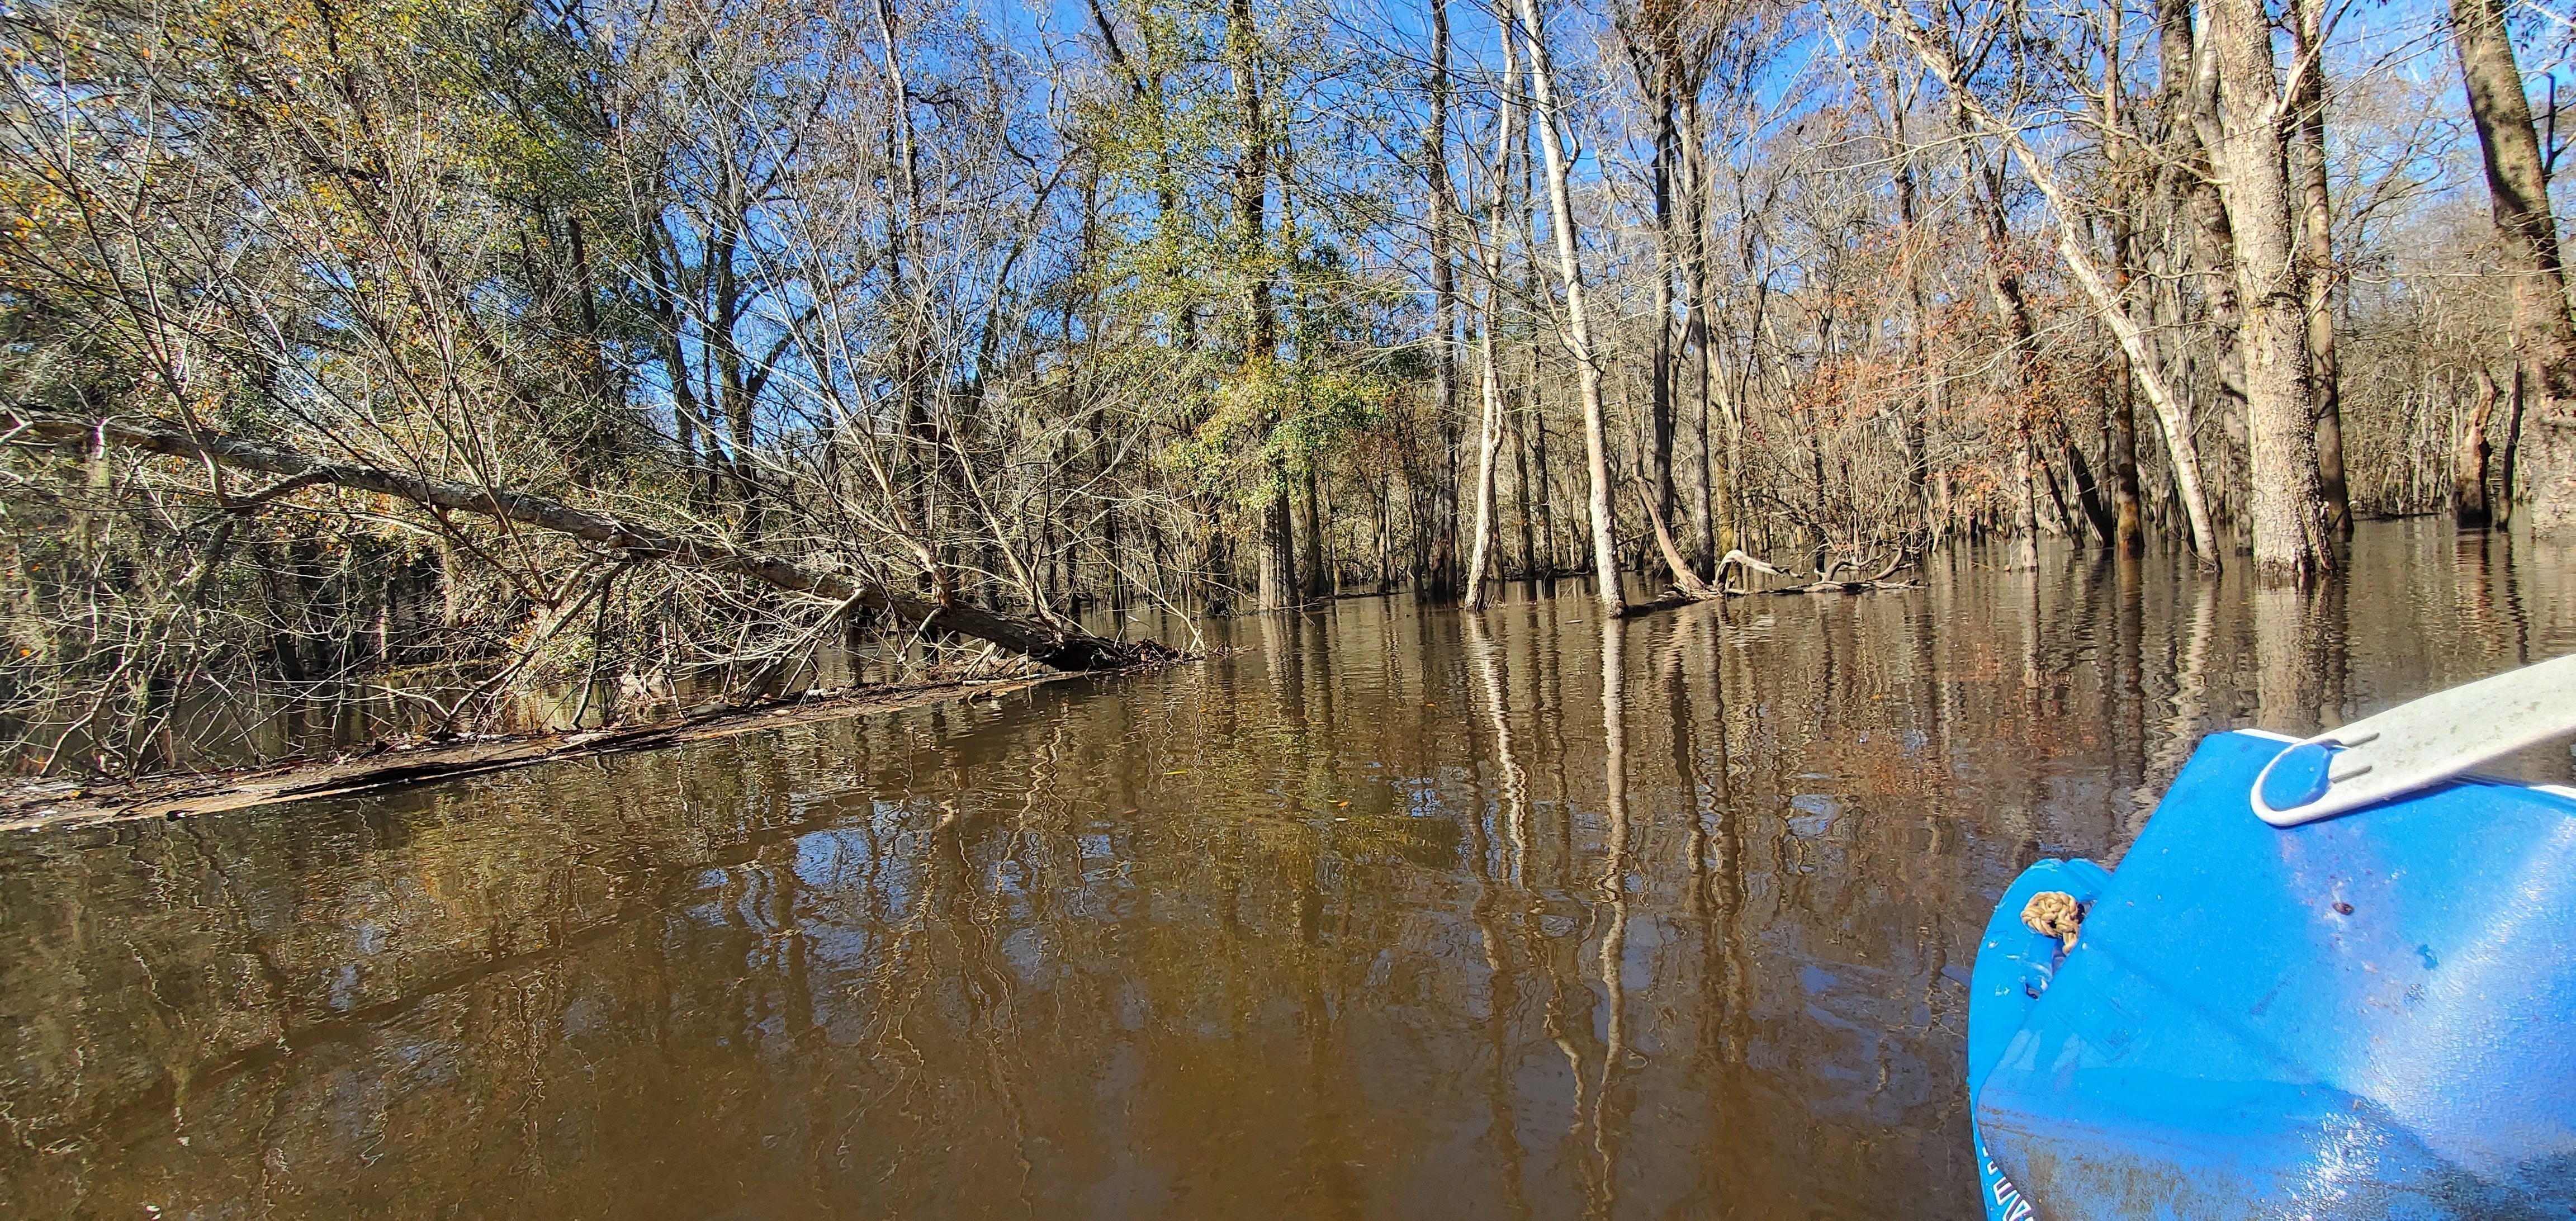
(2054, 913)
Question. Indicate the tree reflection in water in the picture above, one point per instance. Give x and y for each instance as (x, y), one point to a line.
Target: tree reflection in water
(1395, 913)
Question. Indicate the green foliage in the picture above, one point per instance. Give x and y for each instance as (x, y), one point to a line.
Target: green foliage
(1276, 420)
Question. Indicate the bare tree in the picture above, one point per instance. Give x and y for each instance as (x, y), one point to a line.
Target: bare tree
(2113, 309)
(2284, 502)
(1548, 117)
(1490, 259)
(2309, 26)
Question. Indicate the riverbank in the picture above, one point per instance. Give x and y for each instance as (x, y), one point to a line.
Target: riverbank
(27, 805)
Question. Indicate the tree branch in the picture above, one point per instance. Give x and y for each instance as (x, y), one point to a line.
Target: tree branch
(1062, 647)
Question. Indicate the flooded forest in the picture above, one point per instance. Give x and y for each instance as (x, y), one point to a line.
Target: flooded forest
(1573, 548)
(422, 370)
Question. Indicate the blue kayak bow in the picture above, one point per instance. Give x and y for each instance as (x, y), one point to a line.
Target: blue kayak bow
(2271, 1012)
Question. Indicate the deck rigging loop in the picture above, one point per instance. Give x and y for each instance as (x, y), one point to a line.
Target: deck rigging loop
(2417, 744)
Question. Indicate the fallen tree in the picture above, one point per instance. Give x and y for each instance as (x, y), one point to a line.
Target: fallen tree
(1695, 590)
(1060, 645)
(1689, 588)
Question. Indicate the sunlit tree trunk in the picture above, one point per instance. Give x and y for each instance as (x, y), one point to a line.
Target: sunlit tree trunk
(2120, 424)
(2119, 401)
(2189, 83)
(2283, 501)
(2470, 459)
(1717, 529)
(1275, 544)
(1314, 536)
(1650, 56)
(1911, 431)
(1490, 438)
(1578, 327)
(1526, 506)
(2316, 236)
(1551, 563)
(1443, 579)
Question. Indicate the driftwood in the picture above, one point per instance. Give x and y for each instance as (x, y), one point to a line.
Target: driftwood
(1061, 646)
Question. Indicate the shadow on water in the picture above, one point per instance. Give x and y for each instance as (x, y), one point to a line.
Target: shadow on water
(1394, 913)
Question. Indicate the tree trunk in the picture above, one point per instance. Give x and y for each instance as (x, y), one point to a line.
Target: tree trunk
(2469, 460)
(2316, 224)
(1716, 502)
(2283, 501)
(1913, 441)
(2500, 502)
(2088, 494)
(1275, 582)
(2120, 422)
(1314, 563)
(1490, 439)
(2012, 308)
(1658, 437)
(1546, 481)
(2190, 88)
(1384, 504)
(1442, 579)
(1528, 509)
(2544, 336)
(1578, 326)
(2025, 506)
(1489, 443)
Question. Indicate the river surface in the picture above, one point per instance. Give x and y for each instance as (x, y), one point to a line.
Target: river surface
(1392, 913)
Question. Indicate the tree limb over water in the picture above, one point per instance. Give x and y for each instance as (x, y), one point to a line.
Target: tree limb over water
(1062, 646)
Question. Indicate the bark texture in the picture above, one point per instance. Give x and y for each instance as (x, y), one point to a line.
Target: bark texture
(1442, 581)
(2469, 462)
(2544, 337)
(2284, 501)
(2316, 238)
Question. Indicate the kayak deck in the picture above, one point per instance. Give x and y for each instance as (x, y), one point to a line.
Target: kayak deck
(2365, 1016)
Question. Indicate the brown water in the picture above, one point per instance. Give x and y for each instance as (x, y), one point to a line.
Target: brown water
(1395, 913)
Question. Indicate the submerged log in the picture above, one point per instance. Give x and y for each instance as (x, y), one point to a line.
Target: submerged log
(1063, 647)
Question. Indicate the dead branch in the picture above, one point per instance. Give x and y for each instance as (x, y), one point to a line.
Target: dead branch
(1686, 582)
(1826, 584)
(1064, 648)
(1738, 559)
